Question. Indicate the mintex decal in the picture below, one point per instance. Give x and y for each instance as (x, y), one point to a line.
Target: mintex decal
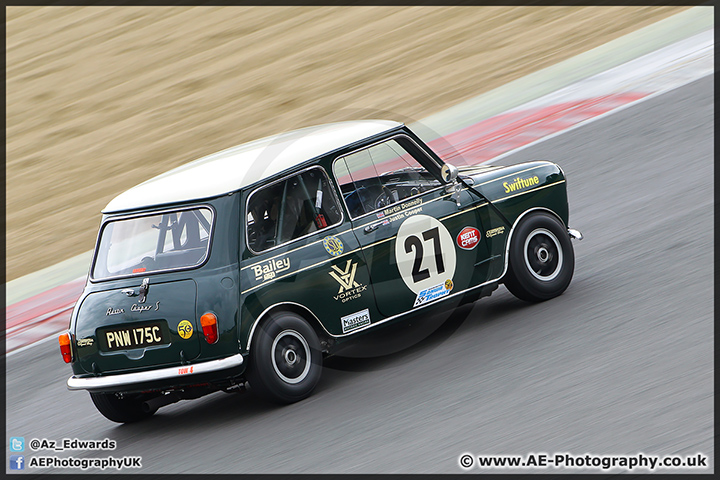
(433, 293)
(356, 320)
(468, 238)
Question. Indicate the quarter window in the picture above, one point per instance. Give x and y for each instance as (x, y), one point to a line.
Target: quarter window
(378, 176)
(290, 209)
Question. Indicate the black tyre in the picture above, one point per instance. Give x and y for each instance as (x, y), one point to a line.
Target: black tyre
(119, 410)
(541, 259)
(285, 359)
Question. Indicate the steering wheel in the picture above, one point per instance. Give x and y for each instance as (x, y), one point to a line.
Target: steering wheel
(384, 199)
(381, 201)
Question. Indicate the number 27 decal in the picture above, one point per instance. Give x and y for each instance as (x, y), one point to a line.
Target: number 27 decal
(425, 253)
(413, 243)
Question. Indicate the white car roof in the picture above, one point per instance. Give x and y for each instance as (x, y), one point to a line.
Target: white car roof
(243, 165)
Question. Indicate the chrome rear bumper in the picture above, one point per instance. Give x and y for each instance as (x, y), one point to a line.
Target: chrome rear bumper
(91, 383)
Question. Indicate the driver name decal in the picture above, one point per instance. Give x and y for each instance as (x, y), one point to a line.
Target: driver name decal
(403, 206)
(402, 211)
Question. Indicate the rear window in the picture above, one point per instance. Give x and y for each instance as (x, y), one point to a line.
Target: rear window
(151, 243)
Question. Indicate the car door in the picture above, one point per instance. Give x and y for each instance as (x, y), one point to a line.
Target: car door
(420, 247)
(301, 251)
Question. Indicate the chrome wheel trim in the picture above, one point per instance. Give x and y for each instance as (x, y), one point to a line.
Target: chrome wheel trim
(545, 250)
(293, 350)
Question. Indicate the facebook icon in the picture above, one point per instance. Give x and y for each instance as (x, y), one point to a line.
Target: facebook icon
(17, 462)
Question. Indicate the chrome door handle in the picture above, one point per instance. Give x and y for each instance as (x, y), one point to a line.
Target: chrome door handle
(374, 226)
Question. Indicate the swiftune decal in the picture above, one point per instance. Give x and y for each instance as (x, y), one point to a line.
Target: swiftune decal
(521, 183)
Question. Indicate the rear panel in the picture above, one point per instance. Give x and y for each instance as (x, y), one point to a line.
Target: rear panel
(129, 335)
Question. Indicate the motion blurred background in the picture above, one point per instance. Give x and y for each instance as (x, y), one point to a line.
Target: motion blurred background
(102, 98)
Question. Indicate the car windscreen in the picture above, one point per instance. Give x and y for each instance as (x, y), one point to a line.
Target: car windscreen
(168, 240)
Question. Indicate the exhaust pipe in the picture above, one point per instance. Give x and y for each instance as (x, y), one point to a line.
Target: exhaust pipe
(157, 402)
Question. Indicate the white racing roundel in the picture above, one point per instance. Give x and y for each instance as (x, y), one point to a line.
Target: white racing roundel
(425, 253)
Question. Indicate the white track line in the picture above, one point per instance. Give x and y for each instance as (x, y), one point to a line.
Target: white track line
(27, 347)
(592, 119)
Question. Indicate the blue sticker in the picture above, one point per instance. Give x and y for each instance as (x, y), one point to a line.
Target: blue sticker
(433, 293)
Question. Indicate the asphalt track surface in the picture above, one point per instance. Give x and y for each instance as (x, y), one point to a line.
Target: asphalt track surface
(621, 363)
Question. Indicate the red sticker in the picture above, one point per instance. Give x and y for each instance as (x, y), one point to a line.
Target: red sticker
(138, 270)
(468, 238)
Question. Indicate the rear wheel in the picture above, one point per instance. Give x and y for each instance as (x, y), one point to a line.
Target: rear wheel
(285, 359)
(541, 259)
(121, 410)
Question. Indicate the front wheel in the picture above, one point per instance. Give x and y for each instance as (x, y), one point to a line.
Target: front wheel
(121, 410)
(285, 359)
(541, 260)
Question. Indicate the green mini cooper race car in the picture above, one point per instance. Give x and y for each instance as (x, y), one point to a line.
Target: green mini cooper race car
(252, 264)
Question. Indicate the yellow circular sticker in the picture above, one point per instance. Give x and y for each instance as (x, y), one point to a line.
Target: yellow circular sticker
(185, 329)
(333, 245)
(448, 284)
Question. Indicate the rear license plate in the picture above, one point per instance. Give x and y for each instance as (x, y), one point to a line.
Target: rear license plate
(133, 337)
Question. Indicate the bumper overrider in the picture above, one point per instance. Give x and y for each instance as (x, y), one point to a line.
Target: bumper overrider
(168, 374)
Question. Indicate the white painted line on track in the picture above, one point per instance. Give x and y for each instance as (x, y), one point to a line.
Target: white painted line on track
(675, 64)
(592, 119)
(38, 342)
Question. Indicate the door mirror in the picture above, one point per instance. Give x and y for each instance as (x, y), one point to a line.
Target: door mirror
(449, 173)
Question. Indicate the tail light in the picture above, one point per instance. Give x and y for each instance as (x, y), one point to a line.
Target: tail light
(65, 348)
(209, 327)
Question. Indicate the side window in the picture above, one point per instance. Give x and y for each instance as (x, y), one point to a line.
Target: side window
(380, 175)
(290, 209)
